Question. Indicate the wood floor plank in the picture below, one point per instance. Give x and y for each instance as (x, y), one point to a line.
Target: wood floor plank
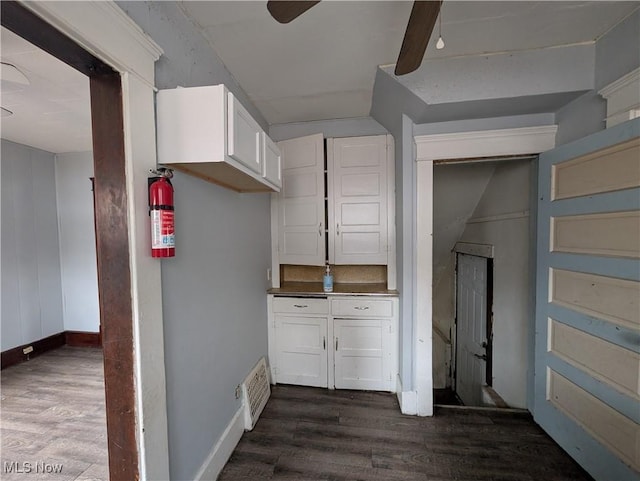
(319, 434)
(53, 412)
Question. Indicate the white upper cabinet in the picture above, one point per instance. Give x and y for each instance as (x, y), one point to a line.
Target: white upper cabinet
(359, 191)
(271, 162)
(206, 132)
(301, 213)
(245, 136)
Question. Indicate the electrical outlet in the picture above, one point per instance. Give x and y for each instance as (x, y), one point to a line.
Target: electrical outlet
(238, 391)
(27, 350)
(268, 274)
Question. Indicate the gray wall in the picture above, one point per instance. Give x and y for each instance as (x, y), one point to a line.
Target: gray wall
(78, 262)
(507, 193)
(214, 290)
(31, 290)
(330, 128)
(616, 54)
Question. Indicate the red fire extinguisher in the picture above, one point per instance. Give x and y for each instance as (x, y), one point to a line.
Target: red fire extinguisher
(163, 242)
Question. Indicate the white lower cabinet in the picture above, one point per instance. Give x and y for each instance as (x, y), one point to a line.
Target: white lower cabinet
(346, 343)
(302, 350)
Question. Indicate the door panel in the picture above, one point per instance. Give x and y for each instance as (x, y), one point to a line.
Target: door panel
(359, 354)
(301, 220)
(587, 354)
(301, 350)
(358, 200)
(471, 328)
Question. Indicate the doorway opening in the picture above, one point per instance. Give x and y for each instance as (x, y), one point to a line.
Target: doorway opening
(111, 227)
(481, 216)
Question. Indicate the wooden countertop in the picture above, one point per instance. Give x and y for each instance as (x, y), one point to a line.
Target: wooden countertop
(314, 289)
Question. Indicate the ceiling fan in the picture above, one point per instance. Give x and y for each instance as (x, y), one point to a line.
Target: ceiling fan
(416, 37)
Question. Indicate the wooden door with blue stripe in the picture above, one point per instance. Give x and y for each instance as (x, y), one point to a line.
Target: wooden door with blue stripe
(587, 342)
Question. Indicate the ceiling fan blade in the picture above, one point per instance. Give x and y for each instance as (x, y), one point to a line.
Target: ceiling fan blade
(285, 11)
(416, 37)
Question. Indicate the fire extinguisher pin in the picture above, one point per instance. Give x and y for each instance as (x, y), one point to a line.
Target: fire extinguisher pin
(162, 172)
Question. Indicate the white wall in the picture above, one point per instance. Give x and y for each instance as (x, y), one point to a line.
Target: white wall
(31, 290)
(507, 193)
(77, 242)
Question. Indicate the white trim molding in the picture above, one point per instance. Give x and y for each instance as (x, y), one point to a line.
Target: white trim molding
(223, 449)
(407, 400)
(480, 250)
(623, 101)
(125, 47)
(429, 148)
(486, 143)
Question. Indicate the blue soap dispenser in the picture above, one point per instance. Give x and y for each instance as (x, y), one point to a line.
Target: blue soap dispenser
(327, 280)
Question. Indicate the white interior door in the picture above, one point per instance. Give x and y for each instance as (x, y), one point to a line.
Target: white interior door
(587, 326)
(301, 219)
(358, 198)
(471, 337)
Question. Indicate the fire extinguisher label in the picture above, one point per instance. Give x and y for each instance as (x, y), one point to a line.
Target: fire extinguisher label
(163, 233)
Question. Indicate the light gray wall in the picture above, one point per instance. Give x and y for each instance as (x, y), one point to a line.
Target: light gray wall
(507, 193)
(31, 291)
(616, 54)
(214, 290)
(78, 262)
(507, 75)
(353, 127)
(391, 105)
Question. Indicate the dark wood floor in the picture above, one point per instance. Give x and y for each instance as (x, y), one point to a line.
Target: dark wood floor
(314, 434)
(53, 413)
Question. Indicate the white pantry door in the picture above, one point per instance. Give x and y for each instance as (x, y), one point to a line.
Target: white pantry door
(301, 212)
(471, 330)
(587, 327)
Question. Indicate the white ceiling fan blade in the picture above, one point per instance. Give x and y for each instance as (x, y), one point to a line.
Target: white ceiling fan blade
(11, 73)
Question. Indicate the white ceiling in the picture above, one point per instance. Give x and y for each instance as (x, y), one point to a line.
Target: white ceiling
(53, 112)
(322, 65)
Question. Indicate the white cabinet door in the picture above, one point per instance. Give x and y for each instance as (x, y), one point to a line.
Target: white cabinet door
(244, 136)
(301, 350)
(358, 198)
(272, 161)
(362, 354)
(301, 212)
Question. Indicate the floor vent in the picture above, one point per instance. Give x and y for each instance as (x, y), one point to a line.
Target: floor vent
(256, 392)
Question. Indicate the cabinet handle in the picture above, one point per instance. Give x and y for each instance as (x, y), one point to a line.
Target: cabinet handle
(324, 343)
(336, 343)
(300, 306)
(338, 228)
(320, 229)
(361, 308)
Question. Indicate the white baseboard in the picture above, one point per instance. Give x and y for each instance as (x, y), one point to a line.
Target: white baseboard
(222, 450)
(408, 400)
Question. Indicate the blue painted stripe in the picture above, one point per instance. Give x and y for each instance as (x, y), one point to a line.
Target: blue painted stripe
(618, 335)
(600, 140)
(622, 200)
(620, 267)
(594, 457)
(620, 402)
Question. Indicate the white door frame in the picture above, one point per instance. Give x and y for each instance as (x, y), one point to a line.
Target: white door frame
(126, 48)
(465, 145)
